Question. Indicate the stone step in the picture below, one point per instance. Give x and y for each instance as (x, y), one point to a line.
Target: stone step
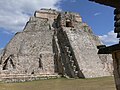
(71, 61)
(23, 78)
(69, 51)
(76, 73)
(67, 48)
(74, 67)
(70, 58)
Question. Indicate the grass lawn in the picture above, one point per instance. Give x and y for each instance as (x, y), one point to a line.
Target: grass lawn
(104, 83)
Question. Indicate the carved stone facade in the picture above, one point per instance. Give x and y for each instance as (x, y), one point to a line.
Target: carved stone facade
(54, 44)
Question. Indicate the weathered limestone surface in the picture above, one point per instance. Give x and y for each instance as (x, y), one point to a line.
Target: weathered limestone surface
(85, 50)
(54, 43)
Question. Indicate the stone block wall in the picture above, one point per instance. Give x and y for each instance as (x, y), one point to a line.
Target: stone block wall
(116, 64)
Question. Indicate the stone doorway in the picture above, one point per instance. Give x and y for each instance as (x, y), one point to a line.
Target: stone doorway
(68, 23)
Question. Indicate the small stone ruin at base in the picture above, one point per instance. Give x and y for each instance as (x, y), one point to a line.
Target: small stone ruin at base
(54, 44)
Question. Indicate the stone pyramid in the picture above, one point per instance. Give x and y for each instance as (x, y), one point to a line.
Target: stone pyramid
(54, 44)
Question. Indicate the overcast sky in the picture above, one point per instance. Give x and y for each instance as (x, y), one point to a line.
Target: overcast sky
(15, 13)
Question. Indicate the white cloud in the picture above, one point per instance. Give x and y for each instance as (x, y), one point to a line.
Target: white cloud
(110, 38)
(15, 13)
(7, 32)
(96, 14)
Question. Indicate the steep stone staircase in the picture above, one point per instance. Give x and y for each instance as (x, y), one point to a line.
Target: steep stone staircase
(72, 62)
(69, 62)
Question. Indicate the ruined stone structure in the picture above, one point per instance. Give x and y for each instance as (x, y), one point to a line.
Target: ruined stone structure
(54, 44)
(112, 3)
(114, 49)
